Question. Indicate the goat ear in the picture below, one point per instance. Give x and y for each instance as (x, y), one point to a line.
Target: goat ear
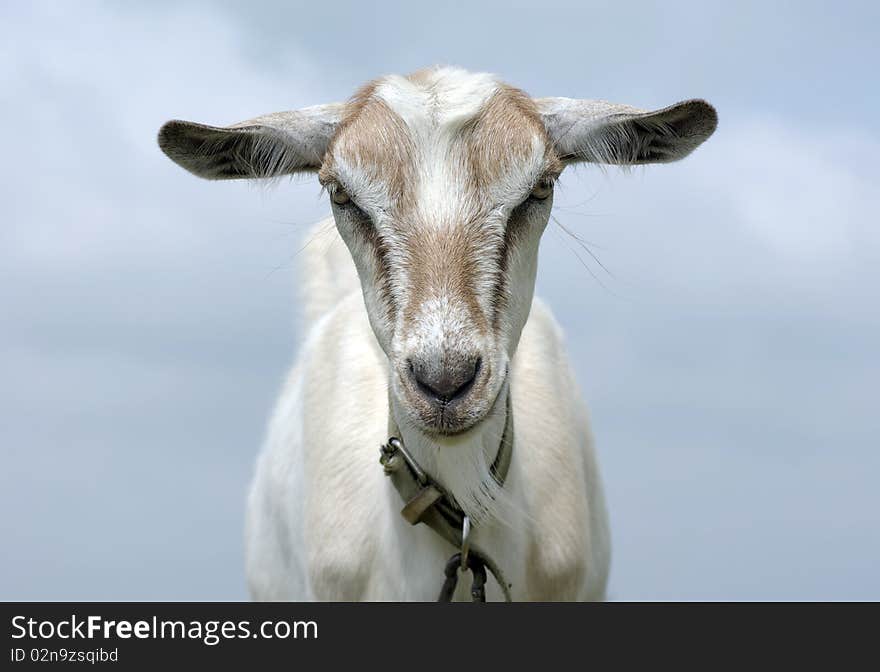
(602, 132)
(274, 144)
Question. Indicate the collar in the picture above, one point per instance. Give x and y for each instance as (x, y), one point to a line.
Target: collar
(426, 501)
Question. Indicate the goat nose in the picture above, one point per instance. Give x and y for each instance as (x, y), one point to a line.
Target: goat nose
(445, 382)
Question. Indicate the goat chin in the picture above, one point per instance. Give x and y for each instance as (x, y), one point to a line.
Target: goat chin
(461, 462)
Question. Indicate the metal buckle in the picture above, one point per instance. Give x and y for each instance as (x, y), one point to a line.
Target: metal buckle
(391, 450)
(465, 542)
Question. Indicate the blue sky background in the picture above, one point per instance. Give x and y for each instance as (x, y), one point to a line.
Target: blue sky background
(730, 358)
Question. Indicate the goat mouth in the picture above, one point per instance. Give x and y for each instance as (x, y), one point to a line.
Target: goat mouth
(454, 419)
(448, 420)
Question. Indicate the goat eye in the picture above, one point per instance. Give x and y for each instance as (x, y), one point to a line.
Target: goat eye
(542, 190)
(340, 197)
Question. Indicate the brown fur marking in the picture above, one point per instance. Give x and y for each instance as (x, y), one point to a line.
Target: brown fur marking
(377, 140)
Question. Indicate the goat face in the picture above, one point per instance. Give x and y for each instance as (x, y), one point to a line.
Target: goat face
(442, 184)
(441, 187)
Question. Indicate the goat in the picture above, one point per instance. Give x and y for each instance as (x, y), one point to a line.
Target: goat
(441, 184)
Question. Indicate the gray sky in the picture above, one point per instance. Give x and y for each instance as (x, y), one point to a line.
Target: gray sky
(730, 358)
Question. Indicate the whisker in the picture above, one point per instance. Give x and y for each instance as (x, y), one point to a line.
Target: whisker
(590, 270)
(580, 241)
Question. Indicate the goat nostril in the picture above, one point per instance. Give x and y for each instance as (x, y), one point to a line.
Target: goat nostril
(446, 384)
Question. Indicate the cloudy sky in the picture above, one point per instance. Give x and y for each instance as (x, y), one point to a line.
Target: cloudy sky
(730, 353)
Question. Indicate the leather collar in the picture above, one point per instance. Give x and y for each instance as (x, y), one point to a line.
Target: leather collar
(425, 500)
